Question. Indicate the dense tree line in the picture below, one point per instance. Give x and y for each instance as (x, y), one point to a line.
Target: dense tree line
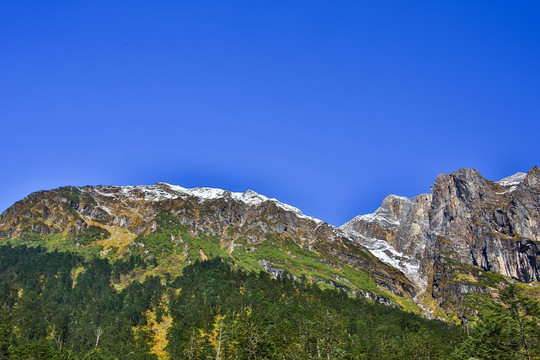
(56, 305)
(222, 313)
(507, 329)
(48, 313)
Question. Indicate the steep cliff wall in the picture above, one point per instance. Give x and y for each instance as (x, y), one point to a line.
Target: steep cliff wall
(444, 241)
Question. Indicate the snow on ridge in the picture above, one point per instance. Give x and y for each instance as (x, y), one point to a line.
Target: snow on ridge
(385, 252)
(511, 180)
(248, 197)
(380, 217)
(163, 191)
(403, 198)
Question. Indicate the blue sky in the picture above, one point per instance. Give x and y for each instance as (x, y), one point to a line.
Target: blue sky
(328, 106)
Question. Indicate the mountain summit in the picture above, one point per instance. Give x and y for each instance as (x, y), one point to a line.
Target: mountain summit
(446, 241)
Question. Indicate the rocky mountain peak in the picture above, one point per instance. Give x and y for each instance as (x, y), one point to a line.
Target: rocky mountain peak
(392, 233)
(468, 222)
(515, 179)
(387, 215)
(532, 179)
(462, 185)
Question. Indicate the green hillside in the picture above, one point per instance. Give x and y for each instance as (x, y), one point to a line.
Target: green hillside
(170, 247)
(59, 305)
(63, 305)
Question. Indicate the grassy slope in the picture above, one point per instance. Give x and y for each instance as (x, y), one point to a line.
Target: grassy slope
(173, 248)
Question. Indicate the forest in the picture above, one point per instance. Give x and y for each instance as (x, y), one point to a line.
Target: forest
(60, 305)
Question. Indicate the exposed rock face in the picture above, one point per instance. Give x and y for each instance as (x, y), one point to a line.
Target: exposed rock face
(487, 224)
(396, 233)
(212, 211)
(467, 220)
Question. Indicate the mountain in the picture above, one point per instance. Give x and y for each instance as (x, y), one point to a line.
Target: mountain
(175, 226)
(426, 254)
(470, 235)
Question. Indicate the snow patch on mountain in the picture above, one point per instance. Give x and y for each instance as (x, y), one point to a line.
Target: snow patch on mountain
(515, 179)
(389, 255)
(379, 218)
(163, 191)
(512, 182)
(382, 216)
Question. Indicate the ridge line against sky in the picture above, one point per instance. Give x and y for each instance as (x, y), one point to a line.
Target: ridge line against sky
(268, 197)
(328, 107)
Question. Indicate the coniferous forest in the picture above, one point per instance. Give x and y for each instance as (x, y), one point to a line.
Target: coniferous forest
(59, 305)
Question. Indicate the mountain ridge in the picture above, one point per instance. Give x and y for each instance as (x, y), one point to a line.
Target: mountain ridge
(468, 224)
(252, 229)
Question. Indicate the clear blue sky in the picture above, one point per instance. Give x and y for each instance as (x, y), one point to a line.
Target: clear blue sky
(326, 105)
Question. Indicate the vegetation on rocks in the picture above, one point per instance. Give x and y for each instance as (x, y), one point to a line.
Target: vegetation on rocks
(158, 272)
(59, 305)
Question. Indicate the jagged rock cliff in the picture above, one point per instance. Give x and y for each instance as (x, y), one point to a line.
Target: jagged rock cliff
(467, 224)
(396, 233)
(495, 226)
